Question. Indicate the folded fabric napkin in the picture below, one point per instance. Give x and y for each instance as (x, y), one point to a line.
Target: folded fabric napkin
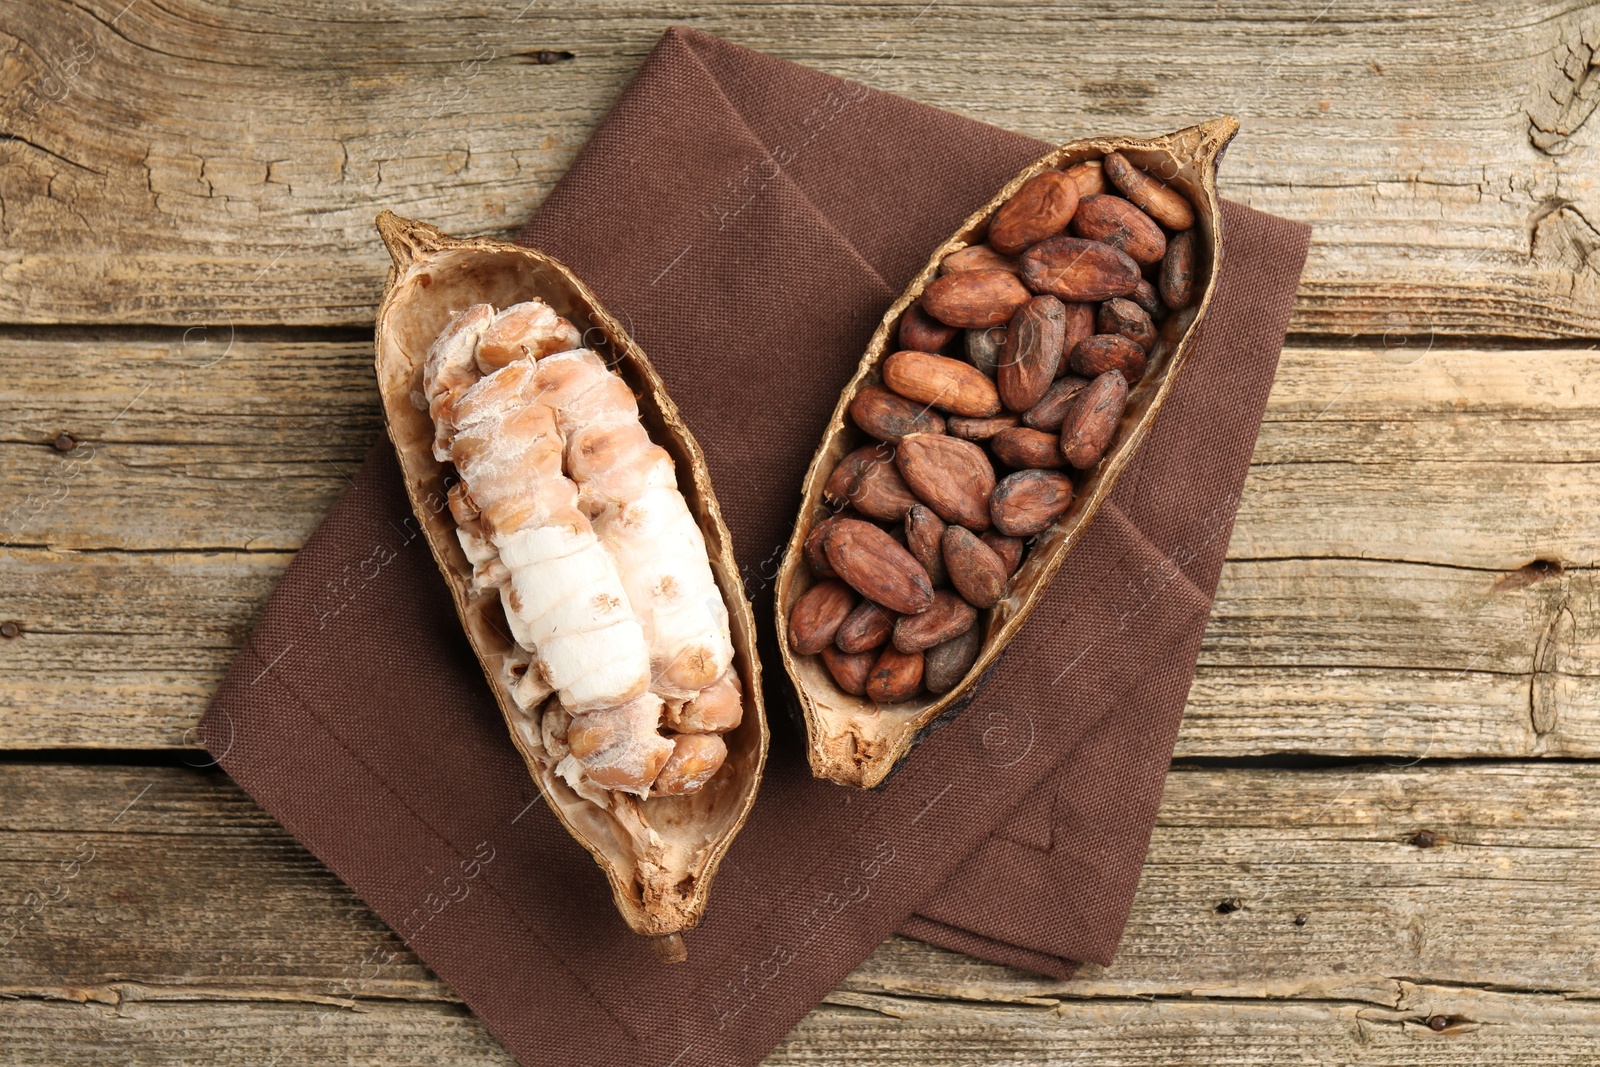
(750, 220)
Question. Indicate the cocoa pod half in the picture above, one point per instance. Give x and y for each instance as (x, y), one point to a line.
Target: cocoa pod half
(1027, 502)
(981, 429)
(978, 257)
(925, 539)
(1023, 448)
(889, 416)
(1119, 224)
(947, 617)
(1041, 208)
(1032, 352)
(896, 676)
(922, 332)
(849, 670)
(1078, 270)
(876, 566)
(1154, 198)
(951, 476)
(943, 666)
(976, 571)
(867, 627)
(972, 298)
(817, 615)
(1107, 351)
(1093, 420)
(868, 481)
(945, 383)
(1051, 410)
(1177, 271)
(1122, 315)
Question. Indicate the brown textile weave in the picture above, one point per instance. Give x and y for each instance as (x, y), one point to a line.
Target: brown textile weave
(750, 220)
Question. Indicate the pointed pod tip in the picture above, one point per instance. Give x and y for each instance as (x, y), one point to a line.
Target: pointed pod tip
(670, 948)
(406, 239)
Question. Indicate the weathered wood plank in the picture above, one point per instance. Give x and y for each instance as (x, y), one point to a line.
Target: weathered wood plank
(1451, 196)
(1491, 928)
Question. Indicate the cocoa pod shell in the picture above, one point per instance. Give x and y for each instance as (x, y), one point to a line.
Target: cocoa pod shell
(924, 537)
(849, 670)
(1075, 269)
(875, 565)
(1177, 271)
(976, 571)
(949, 616)
(953, 477)
(1027, 502)
(943, 666)
(867, 627)
(921, 332)
(1106, 352)
(1032, 351)
(1116, 222)
(981, 429)
(889, 416)
(1051, 410)
(1041, 208)
(1123, 316)
(1149, 194)
(1024, 448)
(817, 615)
(978, 257)
(1093, 420)
(1009, 549)
(945, 383)
(973, 298)
(895, 677)
(868, 481)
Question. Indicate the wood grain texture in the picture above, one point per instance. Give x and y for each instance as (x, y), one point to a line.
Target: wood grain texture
(1491, 928)
(205, 165)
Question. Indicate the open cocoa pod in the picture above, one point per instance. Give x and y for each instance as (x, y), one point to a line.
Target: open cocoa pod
(852, 739)
(659, 852)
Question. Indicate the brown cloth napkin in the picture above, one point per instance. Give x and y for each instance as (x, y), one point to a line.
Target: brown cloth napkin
(750, 220)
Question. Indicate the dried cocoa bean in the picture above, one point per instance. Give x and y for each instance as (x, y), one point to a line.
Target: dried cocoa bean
(983, 348)
(1090, 178)
(815, 556)
(868, 480)
(978, 257)
(1177, 271)
(1051, 410)
(1107, 351)
(943, 666)
(1032, 352)
(924, 537)
(980, 429)
(972, 298)
(1144, 294)
(1093, 420)
(817, 615)
(850, 671)
(889, 416)
(1009, 549)
(866, 627)
(1027, 502)
(1154, 198)
(947, 617)
(1078, 270)
(921, 332)
(1041, 208)
(1116, 222)
(896, 676)
(1121, 315)
(976, 571)
(945, 383)
(951, 476)
(876, 566)
(1080, 324)
(1022, 448)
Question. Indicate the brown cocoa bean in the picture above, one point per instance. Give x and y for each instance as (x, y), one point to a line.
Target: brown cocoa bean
(1051, 410)
(1093, 420)
(866, 627)
(983, 348)
(1023, 448)
(1177, 271)
(924, 537)
(980, 429)
(889, 416)
(815, 556)
(1167, 206)
(951, 476)
(945, 383)
(972, 298)
(1107, 351)
(1027, 502)
(947, 617)
(976, 571)
(1032, 352)
(868, 480)
(1080, 324)
(849, 671)
(896, 676)
(1089, 176)
(876, 566)
(921, 332)
(1122, 315)
(978, 257)
(944, 666)
(1041, 208)
(1009, 549)
(1144, 294)
(817, 615)
(1116, 222)
(1079, 270)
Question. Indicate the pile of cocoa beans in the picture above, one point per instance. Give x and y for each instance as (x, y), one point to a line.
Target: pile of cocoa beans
(1013, 370)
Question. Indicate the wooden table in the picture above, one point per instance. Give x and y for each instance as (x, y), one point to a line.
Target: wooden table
(1387, 768)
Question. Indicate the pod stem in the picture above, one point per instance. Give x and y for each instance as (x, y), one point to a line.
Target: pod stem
(670, 948)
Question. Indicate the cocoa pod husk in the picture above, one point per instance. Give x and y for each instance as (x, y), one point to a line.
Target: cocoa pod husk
(1032, 352)
(1027, 502)
(817, 615)
(949, 384)
(875, 565)
(1023, 448)
(949, 616)
(1153, 197)
(1116, 222)
(867, 627)
(943, 666)
(1121, 315)
(849, 670)
(953, 477)
(1009, 549)
(889, 416)
(922, 332)
(1051, 410)
(895, 677)
(868, 481)
(980, 429)
(976, 571)
(1041, 208)
(983, 348)
(1104, 352)
(925, 537)
(978, 257)
(974, 298)
(1177, 271)
(1089, 176)
(1092, 422)
(1079, 270)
